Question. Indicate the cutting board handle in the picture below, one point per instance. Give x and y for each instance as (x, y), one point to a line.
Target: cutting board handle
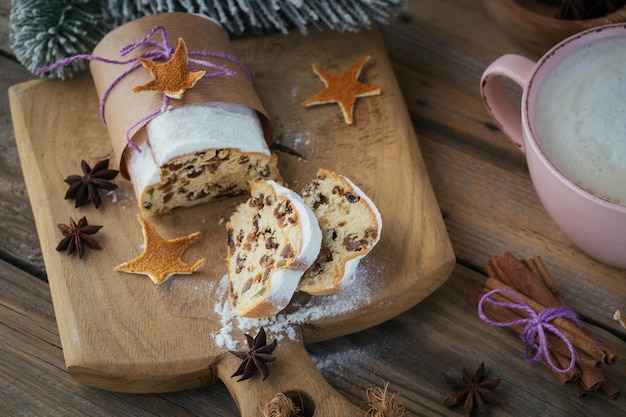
(294, 374)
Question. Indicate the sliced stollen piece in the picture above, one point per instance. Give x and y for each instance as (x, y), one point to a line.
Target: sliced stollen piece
(272, 239)
(199, 153)
(351, 226)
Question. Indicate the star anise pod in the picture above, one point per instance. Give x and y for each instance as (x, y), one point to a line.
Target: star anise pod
(85, 187)
(473, 391)
(77, 235)
(256, 358)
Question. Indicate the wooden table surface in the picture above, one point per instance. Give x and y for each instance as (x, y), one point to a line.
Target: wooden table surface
(438, 50)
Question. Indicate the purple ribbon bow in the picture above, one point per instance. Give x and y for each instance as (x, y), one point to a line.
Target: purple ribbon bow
(536, 325)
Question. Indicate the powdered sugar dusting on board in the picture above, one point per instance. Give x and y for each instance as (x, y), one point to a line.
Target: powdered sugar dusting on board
(186, 297)
(329, 362)
(122, 197)
(299, 312)
(297, 139)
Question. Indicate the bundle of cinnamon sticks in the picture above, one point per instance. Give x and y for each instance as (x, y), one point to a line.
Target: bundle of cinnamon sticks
(530, 280)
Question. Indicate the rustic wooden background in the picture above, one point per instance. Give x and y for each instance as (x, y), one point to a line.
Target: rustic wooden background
(438, 50)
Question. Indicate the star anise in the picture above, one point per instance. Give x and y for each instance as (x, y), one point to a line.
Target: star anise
(473, 391)
(85, 187)
(256, 358)
(77, 235)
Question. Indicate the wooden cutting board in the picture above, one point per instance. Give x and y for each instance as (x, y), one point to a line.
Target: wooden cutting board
(121, 332)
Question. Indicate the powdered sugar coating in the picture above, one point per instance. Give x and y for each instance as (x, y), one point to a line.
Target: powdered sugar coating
(198, 127)
(311, 233)
(193, 128)
(142, 169)
(351, 265)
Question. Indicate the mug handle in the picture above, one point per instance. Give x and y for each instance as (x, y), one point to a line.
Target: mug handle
(499, 105)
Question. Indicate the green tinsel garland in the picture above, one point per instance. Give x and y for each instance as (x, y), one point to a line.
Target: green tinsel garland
(44, 32)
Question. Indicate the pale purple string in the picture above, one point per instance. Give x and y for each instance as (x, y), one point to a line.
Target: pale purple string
(536, 325)
(160, 50)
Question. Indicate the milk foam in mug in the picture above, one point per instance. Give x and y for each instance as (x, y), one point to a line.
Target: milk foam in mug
(580, 118)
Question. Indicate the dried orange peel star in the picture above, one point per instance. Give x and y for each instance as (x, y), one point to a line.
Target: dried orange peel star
(173, 77)
(160, 258)
(343, 88)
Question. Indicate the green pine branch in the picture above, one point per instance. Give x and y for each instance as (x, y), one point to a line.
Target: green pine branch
(43, 32)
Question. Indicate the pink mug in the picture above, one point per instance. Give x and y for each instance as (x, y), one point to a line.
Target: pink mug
(595, 225)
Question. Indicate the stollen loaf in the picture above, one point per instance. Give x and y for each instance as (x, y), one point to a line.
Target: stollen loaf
(199, 153)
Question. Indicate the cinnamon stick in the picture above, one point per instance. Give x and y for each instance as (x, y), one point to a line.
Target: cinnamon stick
(579, 389)
(574, 334)
(563, 362)
(514, 273)
(537, 266)
(592, 379)
(555, 345)
(583, 359)
(611, 389)
(531, 281)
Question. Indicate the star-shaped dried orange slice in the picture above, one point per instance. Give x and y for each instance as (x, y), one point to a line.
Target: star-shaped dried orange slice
(160, 258)
(172, 77)
(343, 88)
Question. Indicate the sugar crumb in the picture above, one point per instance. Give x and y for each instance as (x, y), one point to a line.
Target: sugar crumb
(302, 310)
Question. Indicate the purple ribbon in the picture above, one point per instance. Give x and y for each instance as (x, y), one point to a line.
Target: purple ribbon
(159, 50)
(535, 326)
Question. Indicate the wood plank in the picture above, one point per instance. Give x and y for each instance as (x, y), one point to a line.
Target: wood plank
(19, 244)
(5, 10)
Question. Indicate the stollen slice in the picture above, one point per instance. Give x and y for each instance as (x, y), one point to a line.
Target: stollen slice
(272, 239)
(351, 226)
